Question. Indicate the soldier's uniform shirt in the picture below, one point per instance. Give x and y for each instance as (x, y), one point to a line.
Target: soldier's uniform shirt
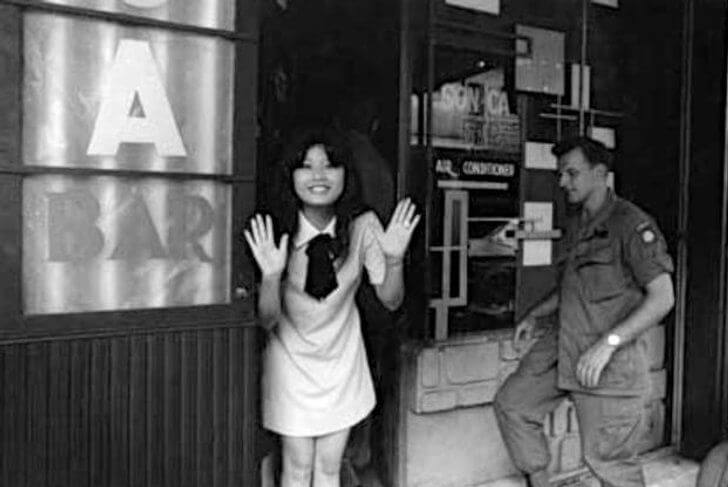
(607, 262)
(605, 265)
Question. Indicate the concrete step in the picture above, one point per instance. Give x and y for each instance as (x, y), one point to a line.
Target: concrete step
(662, 471)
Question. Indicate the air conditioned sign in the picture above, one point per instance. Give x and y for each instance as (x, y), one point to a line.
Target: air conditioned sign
(467, 170)
(454, 164)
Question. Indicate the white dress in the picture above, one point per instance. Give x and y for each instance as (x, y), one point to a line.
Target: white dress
(316, 378)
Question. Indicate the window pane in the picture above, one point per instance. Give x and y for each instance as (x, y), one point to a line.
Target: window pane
(215, 14)
(101, 95)
(471, 106)
(104, 243)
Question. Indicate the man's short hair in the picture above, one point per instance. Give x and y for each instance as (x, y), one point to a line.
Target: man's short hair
(594, 151)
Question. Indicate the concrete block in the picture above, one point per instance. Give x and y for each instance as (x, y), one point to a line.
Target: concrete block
(654, 339)
(671, 471)
(429, 367)
(479, 394)
(658, 385)
(510, 481)
(506, 369)
(438, 401)
(455, 448)
(469, 363)
(570, 453)
(507, 352)
(463, 372)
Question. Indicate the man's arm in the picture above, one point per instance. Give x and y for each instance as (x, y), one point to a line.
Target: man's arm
(523, 332)
(545, 307)
(658, 301)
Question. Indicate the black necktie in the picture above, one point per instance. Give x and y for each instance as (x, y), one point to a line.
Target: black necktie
(320, 275)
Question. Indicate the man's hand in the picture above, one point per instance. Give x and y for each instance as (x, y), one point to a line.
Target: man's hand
(523, 334)
(592, 362)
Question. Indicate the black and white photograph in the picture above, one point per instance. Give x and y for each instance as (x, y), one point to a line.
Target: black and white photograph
(364, 243)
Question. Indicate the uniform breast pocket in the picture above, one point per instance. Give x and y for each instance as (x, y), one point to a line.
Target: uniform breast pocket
(601, 274)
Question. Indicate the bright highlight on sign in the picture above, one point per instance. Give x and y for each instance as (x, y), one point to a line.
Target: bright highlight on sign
(132, 78)
(105, 243)
(107, 96)
(114, 97)
(215, 14)
(145, 3)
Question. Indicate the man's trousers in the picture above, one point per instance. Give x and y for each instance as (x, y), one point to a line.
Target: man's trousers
(610, 427)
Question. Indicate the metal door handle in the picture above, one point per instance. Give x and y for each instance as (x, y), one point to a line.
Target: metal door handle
(241, 292)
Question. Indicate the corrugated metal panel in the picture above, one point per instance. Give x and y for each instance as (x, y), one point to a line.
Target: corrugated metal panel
(167, 409)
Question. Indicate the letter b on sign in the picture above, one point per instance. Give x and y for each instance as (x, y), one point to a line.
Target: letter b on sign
(72, 232)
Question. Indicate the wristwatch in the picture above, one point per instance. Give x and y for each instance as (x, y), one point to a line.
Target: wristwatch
(614, 340)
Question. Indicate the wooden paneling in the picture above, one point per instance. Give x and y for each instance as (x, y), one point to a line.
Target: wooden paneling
(165, 409)
(10, 75)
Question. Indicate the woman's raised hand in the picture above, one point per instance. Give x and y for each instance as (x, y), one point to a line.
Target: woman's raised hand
(270, 258)
(396, 237)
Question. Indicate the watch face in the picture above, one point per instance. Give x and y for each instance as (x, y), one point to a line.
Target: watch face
(613, 339)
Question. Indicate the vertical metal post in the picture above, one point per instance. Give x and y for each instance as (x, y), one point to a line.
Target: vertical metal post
(682, 228)
(405, 92)
(429, 150)
(582, 70)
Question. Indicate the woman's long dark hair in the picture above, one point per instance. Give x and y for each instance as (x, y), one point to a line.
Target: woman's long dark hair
(286, 204)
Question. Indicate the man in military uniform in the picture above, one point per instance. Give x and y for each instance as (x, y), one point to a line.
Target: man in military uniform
(614, 283)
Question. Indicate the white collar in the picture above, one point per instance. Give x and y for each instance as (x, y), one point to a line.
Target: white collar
(306, 230)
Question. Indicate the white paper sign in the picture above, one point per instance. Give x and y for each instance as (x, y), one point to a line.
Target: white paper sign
(607, 3)
(539, 156)
(538, 252)
(605, 135)
(487, 6)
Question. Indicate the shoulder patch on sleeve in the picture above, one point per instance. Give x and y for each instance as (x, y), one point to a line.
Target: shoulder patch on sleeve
(648, 236)
(646, 232)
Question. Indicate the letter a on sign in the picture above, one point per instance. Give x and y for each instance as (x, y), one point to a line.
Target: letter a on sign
(133, 83)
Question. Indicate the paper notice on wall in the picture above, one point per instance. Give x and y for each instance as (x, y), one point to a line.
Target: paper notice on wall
(607, 3)
(539, 156)
(538, 217)
(605, 135)
(536, 253)
(487, 6)
(540, 70)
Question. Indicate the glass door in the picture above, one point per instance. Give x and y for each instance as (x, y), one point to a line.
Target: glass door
(466, 131)
(135, 165)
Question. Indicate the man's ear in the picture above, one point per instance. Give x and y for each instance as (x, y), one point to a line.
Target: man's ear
(601, 170)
